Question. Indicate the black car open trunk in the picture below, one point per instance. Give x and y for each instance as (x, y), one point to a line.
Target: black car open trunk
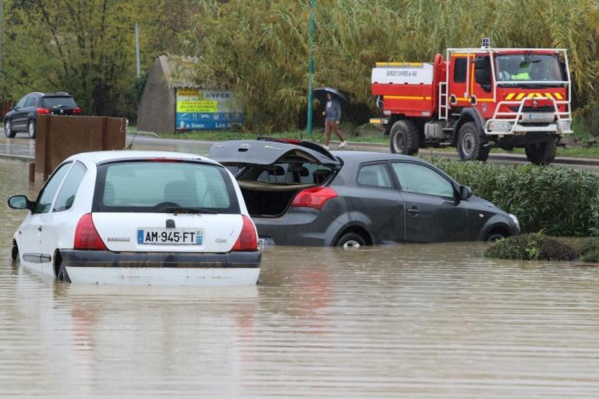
(269, 200)
(271, 172)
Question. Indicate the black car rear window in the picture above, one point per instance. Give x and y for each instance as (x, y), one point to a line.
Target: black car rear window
(287, 173)
(156, 186)
(62, 101)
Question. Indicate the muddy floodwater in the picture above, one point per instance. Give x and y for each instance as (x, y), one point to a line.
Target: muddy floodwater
(408, 321)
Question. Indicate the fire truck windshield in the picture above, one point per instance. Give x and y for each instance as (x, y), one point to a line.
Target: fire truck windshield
(524, 68)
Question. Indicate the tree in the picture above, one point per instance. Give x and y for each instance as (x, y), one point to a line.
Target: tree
(84, 47)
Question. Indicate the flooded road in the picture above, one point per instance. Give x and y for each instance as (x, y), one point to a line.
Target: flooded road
(410, 321)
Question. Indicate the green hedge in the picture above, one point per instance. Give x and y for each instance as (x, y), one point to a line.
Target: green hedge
(554, 200)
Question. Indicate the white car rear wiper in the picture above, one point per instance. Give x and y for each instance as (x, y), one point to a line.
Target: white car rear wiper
(189, 210)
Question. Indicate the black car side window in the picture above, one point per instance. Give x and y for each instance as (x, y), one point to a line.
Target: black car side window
(44, 200)
(31, 101)
(422, 180)
(66, 195)
(21, 102)
(374, 175)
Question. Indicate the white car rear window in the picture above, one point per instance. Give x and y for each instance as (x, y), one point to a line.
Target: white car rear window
(142, 185)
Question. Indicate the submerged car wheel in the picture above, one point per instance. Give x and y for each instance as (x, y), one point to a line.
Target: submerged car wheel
(496, 235)
(14, 254)
(8, 129)
(61, 274)
(31, 129)
(350, 240)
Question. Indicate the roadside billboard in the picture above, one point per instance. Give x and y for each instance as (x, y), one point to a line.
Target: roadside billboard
(206, 110)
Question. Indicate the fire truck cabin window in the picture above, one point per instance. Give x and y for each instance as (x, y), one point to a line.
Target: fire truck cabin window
(459, 72)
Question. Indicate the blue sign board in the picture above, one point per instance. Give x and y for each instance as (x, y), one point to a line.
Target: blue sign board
(206, 110)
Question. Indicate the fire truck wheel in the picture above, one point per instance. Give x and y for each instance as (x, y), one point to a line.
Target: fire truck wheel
(470, 144)
(404, 138)
(541, 153)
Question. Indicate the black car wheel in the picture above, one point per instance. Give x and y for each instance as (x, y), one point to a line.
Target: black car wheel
(8, 129)
(350, 240)
(31, 129)
(61, 274)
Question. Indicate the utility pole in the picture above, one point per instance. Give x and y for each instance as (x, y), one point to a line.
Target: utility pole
(136, 49)
(1, 30)
(311, 67)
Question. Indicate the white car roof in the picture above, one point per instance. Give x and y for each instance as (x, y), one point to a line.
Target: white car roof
(103, 156)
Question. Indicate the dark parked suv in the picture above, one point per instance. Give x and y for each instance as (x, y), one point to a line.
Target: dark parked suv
(23, 116)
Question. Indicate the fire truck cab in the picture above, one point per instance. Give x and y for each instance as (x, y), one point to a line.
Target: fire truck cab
(477, 99)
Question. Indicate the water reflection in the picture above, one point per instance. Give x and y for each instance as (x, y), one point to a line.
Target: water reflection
(417, 321)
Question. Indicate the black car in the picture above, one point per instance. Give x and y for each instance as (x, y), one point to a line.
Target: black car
(298, 193)
(23, 116)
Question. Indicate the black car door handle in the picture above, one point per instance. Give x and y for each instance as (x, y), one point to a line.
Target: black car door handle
(413, 211)
(39, 228)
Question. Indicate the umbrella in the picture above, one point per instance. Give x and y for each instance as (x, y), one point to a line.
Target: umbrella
(321, 94)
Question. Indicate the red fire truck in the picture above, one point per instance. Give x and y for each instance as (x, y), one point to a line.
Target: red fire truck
(477, 99)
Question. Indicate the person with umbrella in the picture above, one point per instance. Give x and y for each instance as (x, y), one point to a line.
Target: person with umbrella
(332, 114)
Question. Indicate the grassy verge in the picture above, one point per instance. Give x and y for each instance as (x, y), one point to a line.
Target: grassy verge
(316, 136)
(569, 151)
(581, 149)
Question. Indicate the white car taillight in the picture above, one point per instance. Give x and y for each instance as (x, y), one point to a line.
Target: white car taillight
(248, 240)
(86, 235)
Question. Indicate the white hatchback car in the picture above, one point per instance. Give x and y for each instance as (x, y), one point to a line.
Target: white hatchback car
(139, 217)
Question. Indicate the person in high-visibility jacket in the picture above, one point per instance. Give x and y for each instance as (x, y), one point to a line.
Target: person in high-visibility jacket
(521, 76)
(523, 73)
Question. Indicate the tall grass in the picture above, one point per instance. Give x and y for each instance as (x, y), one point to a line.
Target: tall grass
(261, 48)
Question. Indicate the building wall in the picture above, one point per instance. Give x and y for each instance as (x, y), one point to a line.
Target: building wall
(156, 108)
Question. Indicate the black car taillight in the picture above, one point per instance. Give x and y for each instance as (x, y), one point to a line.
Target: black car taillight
(42, 111)
(314, 197)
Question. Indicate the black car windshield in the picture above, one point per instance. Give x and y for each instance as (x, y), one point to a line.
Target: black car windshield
(164, 186)
(57, 102)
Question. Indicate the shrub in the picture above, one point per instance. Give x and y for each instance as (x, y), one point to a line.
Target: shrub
(587, 124)
(589, 249)
(591, 256)
(531, 247)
